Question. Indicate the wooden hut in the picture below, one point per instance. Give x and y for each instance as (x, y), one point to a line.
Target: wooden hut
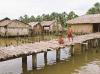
(51, 26)
(85, 24)
(36, 27)
(13, 28)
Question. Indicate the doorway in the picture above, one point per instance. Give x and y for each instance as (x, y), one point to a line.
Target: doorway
(96, 27)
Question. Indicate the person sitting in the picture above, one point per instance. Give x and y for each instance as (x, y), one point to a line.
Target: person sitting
(61, 40)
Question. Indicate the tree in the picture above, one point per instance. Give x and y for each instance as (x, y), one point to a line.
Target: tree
(21, 18)
(71, 15)
(32, 19)
(24, 19)
(39, 18)
(46, 17)
(95, 9)
(62, 18)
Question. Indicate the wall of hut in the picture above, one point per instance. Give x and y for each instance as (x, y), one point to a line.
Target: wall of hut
(55, 27)
(15, 28)
(2, 31)
(37, 29)
(17, 31)
(82, 28)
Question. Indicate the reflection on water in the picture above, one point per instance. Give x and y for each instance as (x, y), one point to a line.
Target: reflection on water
(84, 63)
(29, 64)
(23, 40)
(91, 68)
(65, 54)
(40, 60)
(11, 66)
(51, 57)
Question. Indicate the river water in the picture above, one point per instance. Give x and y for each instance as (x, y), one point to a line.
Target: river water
(87, 62)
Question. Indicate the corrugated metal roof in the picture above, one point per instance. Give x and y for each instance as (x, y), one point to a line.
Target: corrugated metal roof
(92, 18)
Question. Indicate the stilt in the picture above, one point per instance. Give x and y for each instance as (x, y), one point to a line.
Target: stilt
(84, 46)
(24, 63)
(90, 44)
(58, 55)
(76, 48)
(87, 45)
(94, 42)
(45, 58)
(98, 41)
(34, 60)
(72, 50)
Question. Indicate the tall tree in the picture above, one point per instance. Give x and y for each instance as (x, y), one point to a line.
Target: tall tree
(24, 18)
(39, 18)
(95, 9)
(32, 19)
(71, 15)
(62, 19)
(46, 17)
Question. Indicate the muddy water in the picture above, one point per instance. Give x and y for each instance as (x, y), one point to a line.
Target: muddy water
(82, 63)
(23, 40)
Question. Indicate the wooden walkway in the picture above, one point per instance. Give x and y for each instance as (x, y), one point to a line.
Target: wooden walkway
(42, 46)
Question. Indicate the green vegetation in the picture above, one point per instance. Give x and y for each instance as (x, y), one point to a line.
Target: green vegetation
(95, 9)
(60, 17)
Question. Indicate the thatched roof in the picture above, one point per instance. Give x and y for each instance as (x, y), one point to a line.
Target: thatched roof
(32, 24)
(43, 23)
(18, 24)
(92, 18)
(47, 23)
(6, 21)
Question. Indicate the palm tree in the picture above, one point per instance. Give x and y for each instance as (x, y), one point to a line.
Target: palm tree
(95, 9)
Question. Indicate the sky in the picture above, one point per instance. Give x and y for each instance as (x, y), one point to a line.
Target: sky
(16, 8)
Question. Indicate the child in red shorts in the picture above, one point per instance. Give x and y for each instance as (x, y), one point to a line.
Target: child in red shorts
(69, 33)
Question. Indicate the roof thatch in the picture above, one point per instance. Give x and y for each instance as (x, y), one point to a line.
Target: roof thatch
(43, 23)
(6, 21)
(32, 24)
(47, 23)
(92, 18)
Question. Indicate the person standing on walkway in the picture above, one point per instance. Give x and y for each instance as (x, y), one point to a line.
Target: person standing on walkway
(70, 34)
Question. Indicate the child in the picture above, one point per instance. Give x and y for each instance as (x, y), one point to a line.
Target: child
(69, 33)
(61, 40)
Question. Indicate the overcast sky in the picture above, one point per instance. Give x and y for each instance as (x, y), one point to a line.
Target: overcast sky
(15, 8)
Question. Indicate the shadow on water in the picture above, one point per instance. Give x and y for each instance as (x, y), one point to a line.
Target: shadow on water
(84, 63)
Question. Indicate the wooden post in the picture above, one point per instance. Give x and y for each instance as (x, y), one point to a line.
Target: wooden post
(87, 45)
(90, 43)
(24, 63)
(98, 41)
(76, 48)
(34, 60)
(72, 50)
(94, 42)
(58, 55)
(45, 58)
